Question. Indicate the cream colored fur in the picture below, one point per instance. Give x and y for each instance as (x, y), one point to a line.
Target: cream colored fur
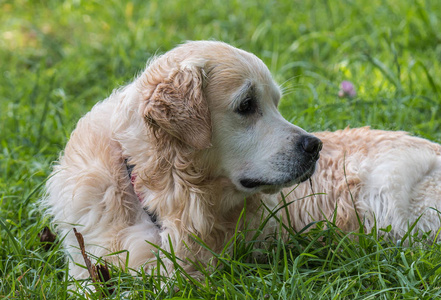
(197, 155)
(179, 124)
(388, 176)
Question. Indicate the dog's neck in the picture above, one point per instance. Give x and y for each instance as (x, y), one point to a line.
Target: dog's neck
(132, 178)
(174, 185)
(213, 198)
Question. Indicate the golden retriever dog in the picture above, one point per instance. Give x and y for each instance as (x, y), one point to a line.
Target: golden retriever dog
(386, 177)
(173, 155)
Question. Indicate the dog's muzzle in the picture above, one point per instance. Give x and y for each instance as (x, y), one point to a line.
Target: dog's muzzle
(297, 166)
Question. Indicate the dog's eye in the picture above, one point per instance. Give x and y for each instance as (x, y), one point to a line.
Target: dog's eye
(247, 106)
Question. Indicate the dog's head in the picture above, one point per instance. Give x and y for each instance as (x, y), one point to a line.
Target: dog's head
(222, 102)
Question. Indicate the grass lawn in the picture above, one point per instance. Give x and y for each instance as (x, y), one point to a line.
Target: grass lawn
(58, 58)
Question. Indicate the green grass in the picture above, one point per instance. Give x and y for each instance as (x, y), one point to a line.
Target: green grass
(60, 57)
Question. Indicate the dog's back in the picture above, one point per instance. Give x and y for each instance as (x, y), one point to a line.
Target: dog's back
(387, 175)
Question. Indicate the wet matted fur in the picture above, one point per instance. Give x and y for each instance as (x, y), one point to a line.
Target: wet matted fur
(385, 176)
(174, 154)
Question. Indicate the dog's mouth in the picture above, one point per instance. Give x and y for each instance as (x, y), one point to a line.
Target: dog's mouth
(274, 186)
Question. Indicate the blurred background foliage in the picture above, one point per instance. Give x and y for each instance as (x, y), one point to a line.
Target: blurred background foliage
(76, 52)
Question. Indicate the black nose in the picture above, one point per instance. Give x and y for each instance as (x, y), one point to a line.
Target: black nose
(311, 144)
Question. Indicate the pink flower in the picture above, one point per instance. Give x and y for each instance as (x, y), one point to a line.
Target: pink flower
(347, 89)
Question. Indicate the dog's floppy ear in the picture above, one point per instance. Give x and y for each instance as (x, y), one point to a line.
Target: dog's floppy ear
(178, 106)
